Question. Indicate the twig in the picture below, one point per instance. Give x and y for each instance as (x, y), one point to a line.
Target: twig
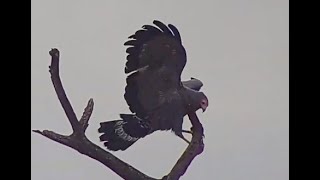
(86, 115)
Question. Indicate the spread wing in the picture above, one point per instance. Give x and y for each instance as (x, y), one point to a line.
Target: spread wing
(155, 47)
(156, 58)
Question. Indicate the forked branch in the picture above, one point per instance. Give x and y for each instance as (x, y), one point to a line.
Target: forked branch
(78, 141)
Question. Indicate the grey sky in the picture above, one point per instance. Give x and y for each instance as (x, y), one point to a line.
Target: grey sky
(238, 48)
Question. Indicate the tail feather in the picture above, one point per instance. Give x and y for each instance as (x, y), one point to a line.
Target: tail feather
(121, 134)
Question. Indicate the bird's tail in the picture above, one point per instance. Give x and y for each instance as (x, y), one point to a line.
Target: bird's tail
(121, 134)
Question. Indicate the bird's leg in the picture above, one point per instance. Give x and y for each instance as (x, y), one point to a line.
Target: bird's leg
(187, 131)
(182, 137)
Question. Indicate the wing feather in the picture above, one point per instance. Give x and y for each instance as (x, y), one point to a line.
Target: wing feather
(156, 60)
(152, 43)
(163, 27)
(175, 32)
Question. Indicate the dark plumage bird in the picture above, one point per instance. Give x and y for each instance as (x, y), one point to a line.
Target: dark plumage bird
(154, 92)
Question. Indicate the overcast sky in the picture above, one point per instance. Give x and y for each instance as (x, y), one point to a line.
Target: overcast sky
(238, 48)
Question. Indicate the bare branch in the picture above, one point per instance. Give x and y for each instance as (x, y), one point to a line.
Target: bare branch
(54, 136)
(78, 141)
(86, 115)
(195, 148)
(86, 147)
(55, 78)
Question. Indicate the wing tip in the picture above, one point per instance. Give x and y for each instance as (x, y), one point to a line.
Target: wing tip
(141, 36)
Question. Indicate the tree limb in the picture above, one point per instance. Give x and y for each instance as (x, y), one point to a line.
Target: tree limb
(55, 78)
(78, 141)
(195, 148)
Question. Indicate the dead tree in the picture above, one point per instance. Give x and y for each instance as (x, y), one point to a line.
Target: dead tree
(77, 140)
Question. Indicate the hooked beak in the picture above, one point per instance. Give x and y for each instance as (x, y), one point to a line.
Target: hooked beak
(203, 109)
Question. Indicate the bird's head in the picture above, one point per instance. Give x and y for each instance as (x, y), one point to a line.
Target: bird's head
(197, 100)
(204, 102)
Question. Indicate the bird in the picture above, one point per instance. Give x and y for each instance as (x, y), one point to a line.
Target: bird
(157, 97)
